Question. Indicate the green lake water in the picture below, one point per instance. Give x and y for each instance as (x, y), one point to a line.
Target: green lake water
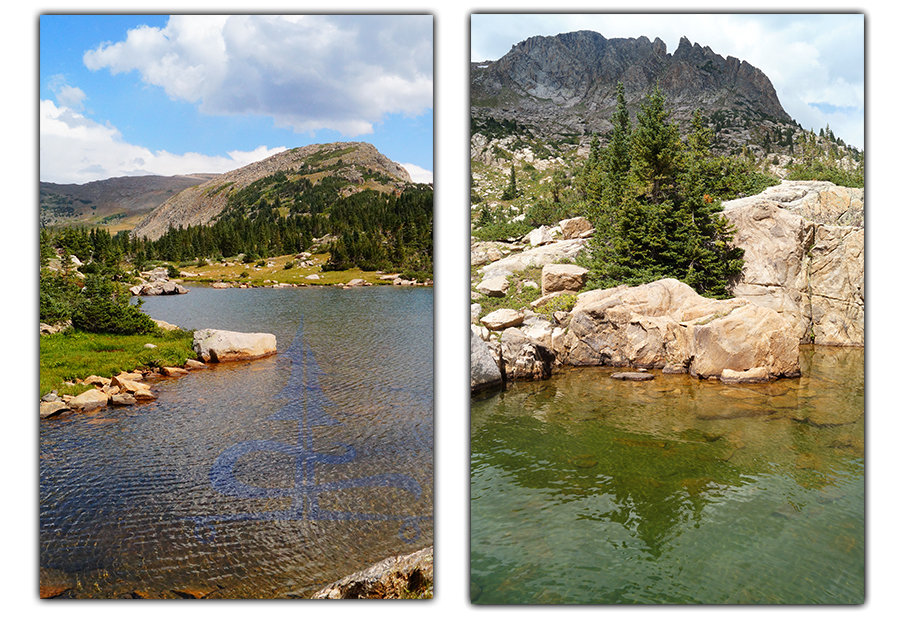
(587, 489)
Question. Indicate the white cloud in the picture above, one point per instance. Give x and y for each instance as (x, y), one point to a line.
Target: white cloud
(306, 72)
(418, 174)
(66, 95)
(75, 150)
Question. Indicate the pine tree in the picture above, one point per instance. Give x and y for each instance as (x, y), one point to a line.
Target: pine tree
(654, 147)
(617, 163)
(511, 190)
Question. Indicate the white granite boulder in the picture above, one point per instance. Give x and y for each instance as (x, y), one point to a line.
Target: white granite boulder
(224, 346)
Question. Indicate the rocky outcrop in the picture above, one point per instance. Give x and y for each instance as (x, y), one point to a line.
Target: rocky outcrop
(667, 325)
(522, 358)
(661, 325)
(536, 257)
(156, 283)
(804, 258)
(402, 577)
(224, 346)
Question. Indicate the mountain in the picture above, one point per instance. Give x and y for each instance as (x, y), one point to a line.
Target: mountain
(351, 166)
(115, 201)
(564, 87)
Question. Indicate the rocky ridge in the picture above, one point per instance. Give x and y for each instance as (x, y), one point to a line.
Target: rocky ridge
(549, 94)
(200, 205)
(570, 80)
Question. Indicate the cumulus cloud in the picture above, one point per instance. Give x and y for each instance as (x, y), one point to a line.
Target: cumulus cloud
(308, 73)
(66, 95)
(418, 174)
(75, 149)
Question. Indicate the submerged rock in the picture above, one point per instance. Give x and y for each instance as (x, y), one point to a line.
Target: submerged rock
(632, 376)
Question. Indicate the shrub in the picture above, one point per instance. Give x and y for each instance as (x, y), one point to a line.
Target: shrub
(57, 297)
(565, 302)
(103, 307)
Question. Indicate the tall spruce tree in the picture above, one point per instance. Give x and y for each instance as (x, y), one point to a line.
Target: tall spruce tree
(654, 147)
(700, 238)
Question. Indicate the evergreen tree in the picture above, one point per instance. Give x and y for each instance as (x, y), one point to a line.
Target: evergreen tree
(654, 147)
(511, 190)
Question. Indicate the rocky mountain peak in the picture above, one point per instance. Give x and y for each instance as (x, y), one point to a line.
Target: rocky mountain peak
(566, 84)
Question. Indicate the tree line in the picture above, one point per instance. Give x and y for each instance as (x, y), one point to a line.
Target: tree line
(371, 230)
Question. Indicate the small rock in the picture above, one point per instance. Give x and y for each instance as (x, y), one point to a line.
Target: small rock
(503, 318)
(144, 394)
(757, 374)
(633, 376)
(89, 401)
(52, 408)
(122, 400)
(496, 286)
(172, 371)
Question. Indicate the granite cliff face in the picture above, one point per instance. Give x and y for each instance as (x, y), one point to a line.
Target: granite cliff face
(804, 257)
(567, 83)
(359, 164)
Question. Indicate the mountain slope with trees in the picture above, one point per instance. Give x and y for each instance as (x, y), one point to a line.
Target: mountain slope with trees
(349, 167)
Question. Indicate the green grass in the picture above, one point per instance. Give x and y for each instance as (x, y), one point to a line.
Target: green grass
(76, 355)
(277, 272)
(514, 298)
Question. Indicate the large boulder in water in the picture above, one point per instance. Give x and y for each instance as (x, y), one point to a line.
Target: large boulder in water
(224, 346)
(484, 370)
(666, 324)
(522, 358)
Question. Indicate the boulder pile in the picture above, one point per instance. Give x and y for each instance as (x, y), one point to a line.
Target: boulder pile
(156, 283)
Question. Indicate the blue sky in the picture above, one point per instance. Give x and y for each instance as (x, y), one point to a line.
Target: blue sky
(134, 95)
(814, 61)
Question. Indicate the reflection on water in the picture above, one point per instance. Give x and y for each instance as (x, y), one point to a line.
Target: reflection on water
(587, 489)
(120, 488)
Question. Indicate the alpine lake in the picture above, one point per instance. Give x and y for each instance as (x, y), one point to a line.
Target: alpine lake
(592, 490)
(260, 479)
